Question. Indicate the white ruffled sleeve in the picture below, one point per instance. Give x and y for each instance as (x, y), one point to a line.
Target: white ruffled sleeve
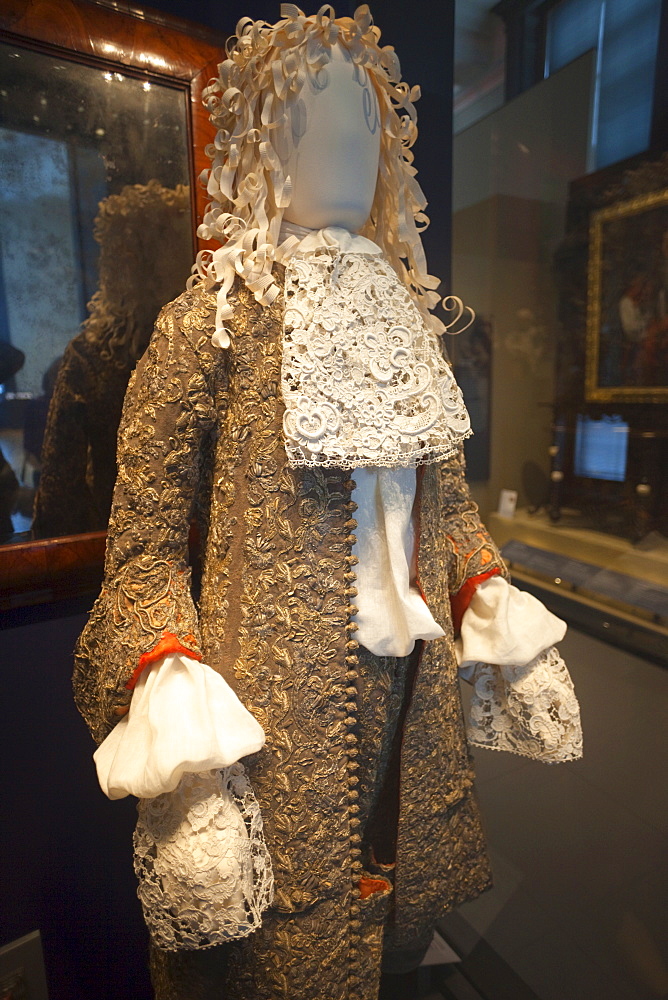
(523, 698)
(183, 718)
(204, 871)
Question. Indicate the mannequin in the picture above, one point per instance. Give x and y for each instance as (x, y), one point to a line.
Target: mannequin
(336, 147)
(364, 780)
(333, 165)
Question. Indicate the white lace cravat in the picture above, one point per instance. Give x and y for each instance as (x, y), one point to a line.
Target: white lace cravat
(363, 379)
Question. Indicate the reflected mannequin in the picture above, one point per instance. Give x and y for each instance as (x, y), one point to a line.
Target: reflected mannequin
(143, 264)
(73, 134)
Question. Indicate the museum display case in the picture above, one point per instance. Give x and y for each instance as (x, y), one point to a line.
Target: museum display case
(563, 373)
(566, 366)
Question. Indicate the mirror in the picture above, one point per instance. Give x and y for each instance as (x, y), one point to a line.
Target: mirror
(101, 131)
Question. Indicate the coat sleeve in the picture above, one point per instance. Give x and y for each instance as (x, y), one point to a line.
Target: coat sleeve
(472, 554)
(146, 596)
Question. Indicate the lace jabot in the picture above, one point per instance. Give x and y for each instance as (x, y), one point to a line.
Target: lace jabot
(363, 379)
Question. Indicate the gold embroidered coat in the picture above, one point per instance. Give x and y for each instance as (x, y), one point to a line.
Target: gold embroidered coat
(201, 436)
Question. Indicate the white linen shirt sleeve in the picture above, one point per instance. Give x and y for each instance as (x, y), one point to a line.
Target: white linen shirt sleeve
(183, 718)
(523, 697)
(391, 612)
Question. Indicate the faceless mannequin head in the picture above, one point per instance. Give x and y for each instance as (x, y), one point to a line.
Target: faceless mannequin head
(335, 132)
(269, 85)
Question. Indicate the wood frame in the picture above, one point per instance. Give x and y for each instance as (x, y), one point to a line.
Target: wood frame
(105, 33)
(608, 257)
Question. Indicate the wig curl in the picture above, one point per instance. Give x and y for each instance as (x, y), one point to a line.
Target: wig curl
(249, 103)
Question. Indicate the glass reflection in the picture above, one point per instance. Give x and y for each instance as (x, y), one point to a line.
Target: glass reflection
(73, 138)
(141, 266)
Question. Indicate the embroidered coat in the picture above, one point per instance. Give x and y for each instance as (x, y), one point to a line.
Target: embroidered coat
(201, 436)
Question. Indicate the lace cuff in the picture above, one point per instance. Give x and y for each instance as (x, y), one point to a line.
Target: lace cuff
(523, 698)
(530, 710)
(204, 870)
(183, 718)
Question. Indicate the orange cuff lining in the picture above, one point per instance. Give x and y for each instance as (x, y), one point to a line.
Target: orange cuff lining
(460, 601)
(169, 643)
(367, 886)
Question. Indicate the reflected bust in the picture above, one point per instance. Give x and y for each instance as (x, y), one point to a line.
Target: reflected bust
(95, 207)
(143, 264)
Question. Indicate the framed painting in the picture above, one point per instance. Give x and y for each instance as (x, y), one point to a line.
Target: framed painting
(627, 301)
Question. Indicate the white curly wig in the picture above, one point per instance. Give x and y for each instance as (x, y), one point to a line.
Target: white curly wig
(249, 104)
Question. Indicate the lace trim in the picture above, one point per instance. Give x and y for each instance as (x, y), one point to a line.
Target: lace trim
(363, 379)
(204, 870)
(530, 710)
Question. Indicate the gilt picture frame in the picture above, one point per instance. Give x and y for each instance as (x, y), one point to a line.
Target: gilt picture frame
(627, 301)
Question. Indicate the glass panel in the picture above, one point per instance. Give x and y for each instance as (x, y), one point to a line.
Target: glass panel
(567, 273)
(567, 268)
(627, 78)
(573, 28)
(510, 186)
(95, 229)
(625, 34)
